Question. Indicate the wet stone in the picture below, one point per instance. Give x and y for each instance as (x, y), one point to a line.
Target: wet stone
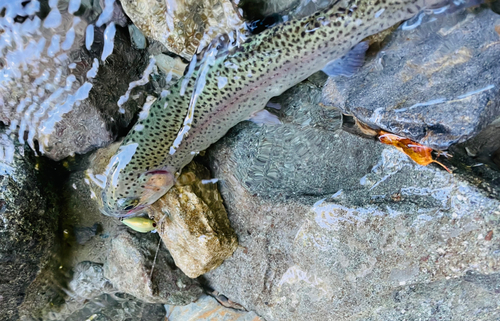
(483, 149)
(137, 264)
(193, 224)
(173, 66)
(419, 85)
(137, 37)
(88, 281)
(183, 25)
(476, 160)
(453, 299)
(386, 239)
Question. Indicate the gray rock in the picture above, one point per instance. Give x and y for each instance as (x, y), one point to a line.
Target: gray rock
(91, 295)
(496, 157)
(478, 159)
(382, 226)
(137, 37)
(28, 216)
(420, 84)
(184, 26)
(129, 266)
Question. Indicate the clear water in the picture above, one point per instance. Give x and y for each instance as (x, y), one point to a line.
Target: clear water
(42, 80)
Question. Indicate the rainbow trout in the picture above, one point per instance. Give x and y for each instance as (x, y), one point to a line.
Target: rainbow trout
(226, 90)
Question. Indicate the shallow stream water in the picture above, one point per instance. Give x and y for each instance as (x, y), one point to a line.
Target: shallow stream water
(331, 223)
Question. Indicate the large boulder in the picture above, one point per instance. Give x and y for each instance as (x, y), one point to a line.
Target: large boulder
(437, 84)
(333, 226)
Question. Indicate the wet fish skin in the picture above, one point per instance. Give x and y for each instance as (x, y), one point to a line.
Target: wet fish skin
(265, 66)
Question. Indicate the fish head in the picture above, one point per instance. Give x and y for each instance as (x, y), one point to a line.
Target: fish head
(135, 191)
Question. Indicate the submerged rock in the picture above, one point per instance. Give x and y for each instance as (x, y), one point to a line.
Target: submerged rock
(380, 225)
(419, 85)
(28, 216)
(464, 298)
(170, 66)
(302, 157)
(182, 26)
(138, 266)
(193, 223)
(121, 307)
(88, 281)
(93, 297)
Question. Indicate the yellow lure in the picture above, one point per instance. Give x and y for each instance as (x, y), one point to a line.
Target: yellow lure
(140, 224)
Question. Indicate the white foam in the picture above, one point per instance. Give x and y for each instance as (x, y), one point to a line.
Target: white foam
(70, 38)
(188, 75)
(207, 61)
(93, 71)
(209, 181)
(73, 6)
(109, 36)
(221, 82)
(118, 162)
(144, 80)
(54, 19)
(89, 36)
(106, 14)
(54, 46)
(379, 13)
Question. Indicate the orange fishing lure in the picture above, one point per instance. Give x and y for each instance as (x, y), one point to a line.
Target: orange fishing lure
(419, 153)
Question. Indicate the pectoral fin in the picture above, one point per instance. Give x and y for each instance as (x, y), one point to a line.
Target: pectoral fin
(264, 117)
(349, 64)
(156, 183)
